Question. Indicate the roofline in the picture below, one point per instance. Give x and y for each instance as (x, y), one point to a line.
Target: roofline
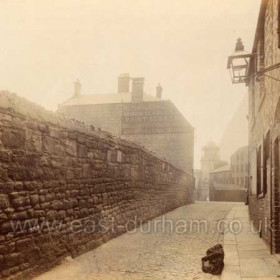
(258, 28)
(239, 149)
(191, 126)
(219, 171)
(259, 24)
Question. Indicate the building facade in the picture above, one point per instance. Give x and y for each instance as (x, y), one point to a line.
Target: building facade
(201, 191)
(222, 188)
(264, 125)
(210, 161)
(132, 114)
(239, 167)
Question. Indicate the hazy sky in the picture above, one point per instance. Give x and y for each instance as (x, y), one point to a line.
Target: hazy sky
(184, 44)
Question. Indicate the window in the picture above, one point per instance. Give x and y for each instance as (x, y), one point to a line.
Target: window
(253, 172)
(276, 161)
(259, 170)
(266, 156)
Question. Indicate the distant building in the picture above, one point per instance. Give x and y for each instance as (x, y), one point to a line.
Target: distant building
(132, 114)
(221, 175)
(210, 161)
(240, 167)
(201, 191)
(221, 187)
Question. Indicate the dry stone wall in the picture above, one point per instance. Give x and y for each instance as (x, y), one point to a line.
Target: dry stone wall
(66, 188)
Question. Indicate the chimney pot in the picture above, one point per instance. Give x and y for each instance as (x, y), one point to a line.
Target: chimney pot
(77, 88)
(239, 47)
(159, 91)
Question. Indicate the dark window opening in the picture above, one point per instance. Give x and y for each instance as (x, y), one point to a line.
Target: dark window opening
(266, 156)
(259, 170)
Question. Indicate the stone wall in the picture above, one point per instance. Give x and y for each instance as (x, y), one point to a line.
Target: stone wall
(66, 188)
(176, 148)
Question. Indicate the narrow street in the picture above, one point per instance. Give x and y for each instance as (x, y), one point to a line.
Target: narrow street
(159, 254)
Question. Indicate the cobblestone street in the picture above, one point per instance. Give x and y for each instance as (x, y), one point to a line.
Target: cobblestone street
(159, 254)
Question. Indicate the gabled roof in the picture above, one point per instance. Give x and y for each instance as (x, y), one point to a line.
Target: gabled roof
(105, 99)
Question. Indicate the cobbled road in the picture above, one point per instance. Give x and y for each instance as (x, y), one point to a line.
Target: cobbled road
(169, 247)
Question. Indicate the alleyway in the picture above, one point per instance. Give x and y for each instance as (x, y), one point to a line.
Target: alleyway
(160, 254)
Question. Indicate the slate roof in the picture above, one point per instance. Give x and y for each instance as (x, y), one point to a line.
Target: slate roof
(105, 99)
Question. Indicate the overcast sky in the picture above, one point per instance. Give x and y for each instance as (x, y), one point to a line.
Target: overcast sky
(183, 44)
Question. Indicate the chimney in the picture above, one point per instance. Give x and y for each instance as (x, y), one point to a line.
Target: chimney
(239, 47)
(123, 83)
(137, 90)
(77, 88)
(159, 91)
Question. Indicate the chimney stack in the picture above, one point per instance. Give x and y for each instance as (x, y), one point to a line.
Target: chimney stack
(123, 83)
(137, 90)
(159, 91)
(77, 88)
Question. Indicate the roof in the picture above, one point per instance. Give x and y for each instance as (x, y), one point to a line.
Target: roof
(225, 168)
(239, 150)
(105, 99)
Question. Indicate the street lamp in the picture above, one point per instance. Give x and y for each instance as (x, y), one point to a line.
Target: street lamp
(238, 63)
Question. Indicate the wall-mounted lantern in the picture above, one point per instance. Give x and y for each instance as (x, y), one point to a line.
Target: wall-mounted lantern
(238, 63)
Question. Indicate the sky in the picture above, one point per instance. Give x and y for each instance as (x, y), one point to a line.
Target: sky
(46, 45)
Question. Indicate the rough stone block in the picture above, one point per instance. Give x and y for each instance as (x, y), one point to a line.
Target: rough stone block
(13, 139)
(4, 201)
(82, 151)
(12, 260)
(34, 199)
(25, 244)
(18, 216)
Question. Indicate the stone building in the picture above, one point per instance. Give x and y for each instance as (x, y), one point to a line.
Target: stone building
(210, 161)
(239, 167)
(132, 114)
(221, 175)
(264, 124)
(201, 191)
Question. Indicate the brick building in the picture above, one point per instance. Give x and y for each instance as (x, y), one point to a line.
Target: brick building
(132, 114)
(264, 124)
(239, 167)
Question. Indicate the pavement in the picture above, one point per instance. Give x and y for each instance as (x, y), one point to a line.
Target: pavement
(171, 251)
(168, 251)
(246, 255)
